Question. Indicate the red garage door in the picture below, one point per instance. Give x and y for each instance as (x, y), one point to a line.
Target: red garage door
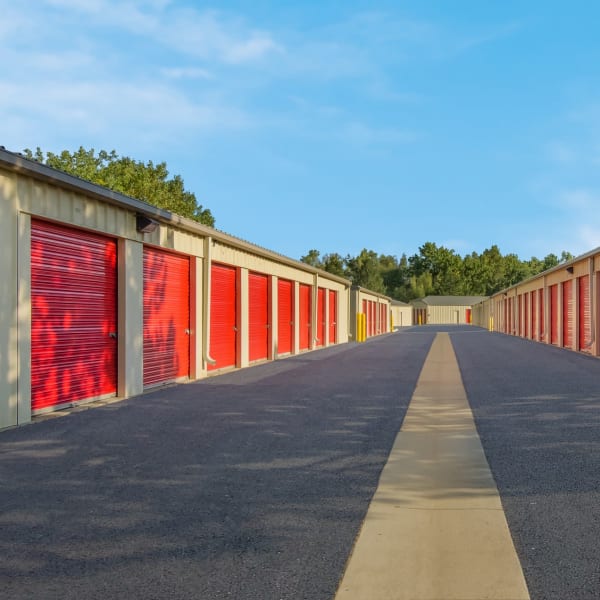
(321, 324)
(73, 315)
(554, 314)
(568, 313)
(534, 317)
(223, 316)
(258, 316)
(305, 308)
(332, 317)
(285, 316)
(166, 316)
(543, 335)
(585, 314)
(527, 330)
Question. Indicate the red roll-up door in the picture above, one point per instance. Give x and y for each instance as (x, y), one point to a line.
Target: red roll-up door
(554, 314)
(534, 317)
(332, 317)
(585, 314)
(73, 315)
(468, 315)
(543, 334)
(372, 319)
(568, 313)
(520, 314)
(321, 324)
(285, 316)
(258, 316)
(526, 331)
(305, 324)
(166, 316)
(223, 316)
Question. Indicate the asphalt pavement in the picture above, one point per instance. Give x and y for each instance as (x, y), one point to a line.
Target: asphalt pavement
(248, 485)
(254, 484)
(537, 410)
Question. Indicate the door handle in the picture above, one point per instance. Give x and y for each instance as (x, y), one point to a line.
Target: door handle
(188, 331)
(112, 335)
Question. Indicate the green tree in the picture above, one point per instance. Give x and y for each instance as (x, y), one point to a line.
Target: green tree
(144, 181)
(551, 260)
(444, 266)
(335, 264)
(312, 258)
(364, 270)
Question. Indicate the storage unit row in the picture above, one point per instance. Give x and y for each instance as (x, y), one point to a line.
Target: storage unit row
(557, 307)
(97, 304)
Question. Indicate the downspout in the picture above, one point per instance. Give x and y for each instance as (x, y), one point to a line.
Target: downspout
(206, 283)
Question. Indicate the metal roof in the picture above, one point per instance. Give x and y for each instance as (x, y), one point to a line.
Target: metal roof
(20, 164)
(399, 303)
(451, 300)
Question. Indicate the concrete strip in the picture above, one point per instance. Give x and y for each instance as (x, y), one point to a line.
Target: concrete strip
(435, 529)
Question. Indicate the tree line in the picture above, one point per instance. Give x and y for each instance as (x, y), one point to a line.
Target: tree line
(143, 181)
(434, 270)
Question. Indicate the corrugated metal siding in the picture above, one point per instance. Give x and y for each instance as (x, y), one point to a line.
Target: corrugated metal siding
(258, 316)
(166, 316)
(285, 316)
(305, 311)
(534, 316)
(567, 313)
(223, 316)
(73, 315)
(333, 316)
(543, 332)
(554, 314)
(585, 314)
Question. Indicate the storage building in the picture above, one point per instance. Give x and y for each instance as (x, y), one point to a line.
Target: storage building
(373, 308)
(106, 296)
(444, 310)
(559, 306)
(401, 314)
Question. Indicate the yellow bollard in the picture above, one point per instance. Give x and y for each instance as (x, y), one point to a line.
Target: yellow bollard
(364, 328)
(419, 319)
(491, 324)
(391, 322)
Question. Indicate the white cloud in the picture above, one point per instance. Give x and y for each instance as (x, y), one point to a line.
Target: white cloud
(204, 34)
(117, 109)
(186, 73)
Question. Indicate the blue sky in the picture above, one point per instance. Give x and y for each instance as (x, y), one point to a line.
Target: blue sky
(330, 125)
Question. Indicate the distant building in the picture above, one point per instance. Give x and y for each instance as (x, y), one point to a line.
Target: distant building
(402, 313)
(444, 310)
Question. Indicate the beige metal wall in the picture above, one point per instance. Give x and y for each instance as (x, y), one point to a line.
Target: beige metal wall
(445, 315)
(23, 197)
(402, 315)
